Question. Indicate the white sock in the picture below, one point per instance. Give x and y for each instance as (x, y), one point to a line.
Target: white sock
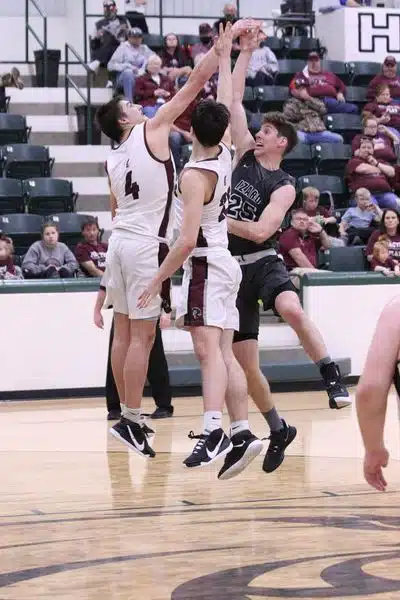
(94, 65)
(132, 414)
(212, 420)
(238, 426)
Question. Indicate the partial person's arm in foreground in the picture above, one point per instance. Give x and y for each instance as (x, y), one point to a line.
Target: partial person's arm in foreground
(373, 389)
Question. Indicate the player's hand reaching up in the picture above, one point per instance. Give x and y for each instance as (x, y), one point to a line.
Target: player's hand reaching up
(223, 44)
(244, 26)
(249, 40)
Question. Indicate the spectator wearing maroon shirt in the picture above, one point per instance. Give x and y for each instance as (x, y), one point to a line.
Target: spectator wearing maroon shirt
(320, 214)
(300, 243)
(385, 142)
(386, 111)
(91, 253)
(388, 232)
(324, 85)
(153, 89)
(180, 133)
(8, 270)
(365, 171)
(389, 77)
(382, 262)
(175, 63)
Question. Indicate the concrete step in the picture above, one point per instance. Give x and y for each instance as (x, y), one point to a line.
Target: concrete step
(60, 138)
(79, 161)
(33, 95)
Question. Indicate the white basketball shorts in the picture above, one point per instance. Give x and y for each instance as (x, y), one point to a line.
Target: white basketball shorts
(132, 262)
(209, 290)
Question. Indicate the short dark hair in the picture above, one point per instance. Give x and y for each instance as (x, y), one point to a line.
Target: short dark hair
(283, 127)
(210, 120)
(366, 140)
(89, 221)
(107, 118)
(298, 211)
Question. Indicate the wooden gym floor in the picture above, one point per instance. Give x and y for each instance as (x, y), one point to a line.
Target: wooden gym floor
(83, 518)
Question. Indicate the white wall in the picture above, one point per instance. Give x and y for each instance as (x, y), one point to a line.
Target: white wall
(65, 21)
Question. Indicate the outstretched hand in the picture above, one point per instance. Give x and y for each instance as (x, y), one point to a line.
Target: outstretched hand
(249, 40)
(244, 26)
(223, 45)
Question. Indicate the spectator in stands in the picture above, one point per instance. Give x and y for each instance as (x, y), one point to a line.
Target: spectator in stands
(108, 33)
(310, 201)
(180, 133)
(389, 77)
(382, 261)
(388, 232)
(49, 258)
(206, 40)
(128, 60)
(300, 243)
(263, 65)
(91, 253)
(324, 85)
(175, 63)
(7, 268)
(12, 79)
(211, 87)
(358, 222)
(365, 171)
(230, 15)
(386, 111)
(385, 142)
(153, 89)
(306, 113)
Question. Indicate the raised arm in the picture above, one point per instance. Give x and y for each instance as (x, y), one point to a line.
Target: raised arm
(223, 48)
(271, 218)
(241, 136)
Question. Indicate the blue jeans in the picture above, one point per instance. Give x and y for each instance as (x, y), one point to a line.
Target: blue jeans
(319, 137)
(334, 106)
(150, 111)
(127, 80)
(388, 200)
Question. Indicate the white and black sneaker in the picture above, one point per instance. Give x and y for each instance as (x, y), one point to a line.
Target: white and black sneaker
(209, 448)
(132, 435)
(246, 447)
(278, 442)
(337, 391)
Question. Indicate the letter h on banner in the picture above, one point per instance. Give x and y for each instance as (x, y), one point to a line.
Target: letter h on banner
(372, 27)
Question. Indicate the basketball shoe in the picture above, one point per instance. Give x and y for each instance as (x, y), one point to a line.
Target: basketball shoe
(279, 441)
(209, 448)
(246, 447)
(132, 435)
(337, 391)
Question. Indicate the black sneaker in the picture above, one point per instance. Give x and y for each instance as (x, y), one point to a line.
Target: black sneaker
(162, 413)
(114, 414)
(148, 431)
(133, 436)
(337, 391)
(245, 449)
(208, 449)
(279, 441)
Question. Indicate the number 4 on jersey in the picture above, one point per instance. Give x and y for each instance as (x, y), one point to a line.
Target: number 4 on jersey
(131, 188)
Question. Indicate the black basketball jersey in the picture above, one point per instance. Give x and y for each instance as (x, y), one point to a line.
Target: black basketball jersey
(252, 187)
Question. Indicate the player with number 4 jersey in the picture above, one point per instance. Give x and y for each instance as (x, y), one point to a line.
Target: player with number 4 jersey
(141, 177)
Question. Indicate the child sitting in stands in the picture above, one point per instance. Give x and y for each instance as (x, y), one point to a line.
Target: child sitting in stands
(49, 258)
(7, 268)
(382, 262)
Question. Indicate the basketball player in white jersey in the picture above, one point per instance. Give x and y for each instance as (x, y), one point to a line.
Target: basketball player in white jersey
(141, 176)
(211, 279)
(381, 370)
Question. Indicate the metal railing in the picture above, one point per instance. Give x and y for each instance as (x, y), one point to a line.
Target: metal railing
(42, 44)
(69, 80)
(160, 16)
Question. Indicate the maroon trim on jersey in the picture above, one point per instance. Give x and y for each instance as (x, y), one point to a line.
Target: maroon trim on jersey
(122, 143)
(201, 240)
(163, 162)
(166, 285)
(105, 168)
(169, 170)
(194, 316)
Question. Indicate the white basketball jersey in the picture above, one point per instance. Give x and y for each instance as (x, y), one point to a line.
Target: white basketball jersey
(143, 187)
(213, 230)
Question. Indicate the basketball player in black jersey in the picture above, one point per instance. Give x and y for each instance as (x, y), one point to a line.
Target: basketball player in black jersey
(261, 196)
(380, 371)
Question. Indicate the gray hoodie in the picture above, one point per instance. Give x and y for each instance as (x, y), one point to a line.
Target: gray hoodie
(264, 60)
(127, 56)
(40, 256)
